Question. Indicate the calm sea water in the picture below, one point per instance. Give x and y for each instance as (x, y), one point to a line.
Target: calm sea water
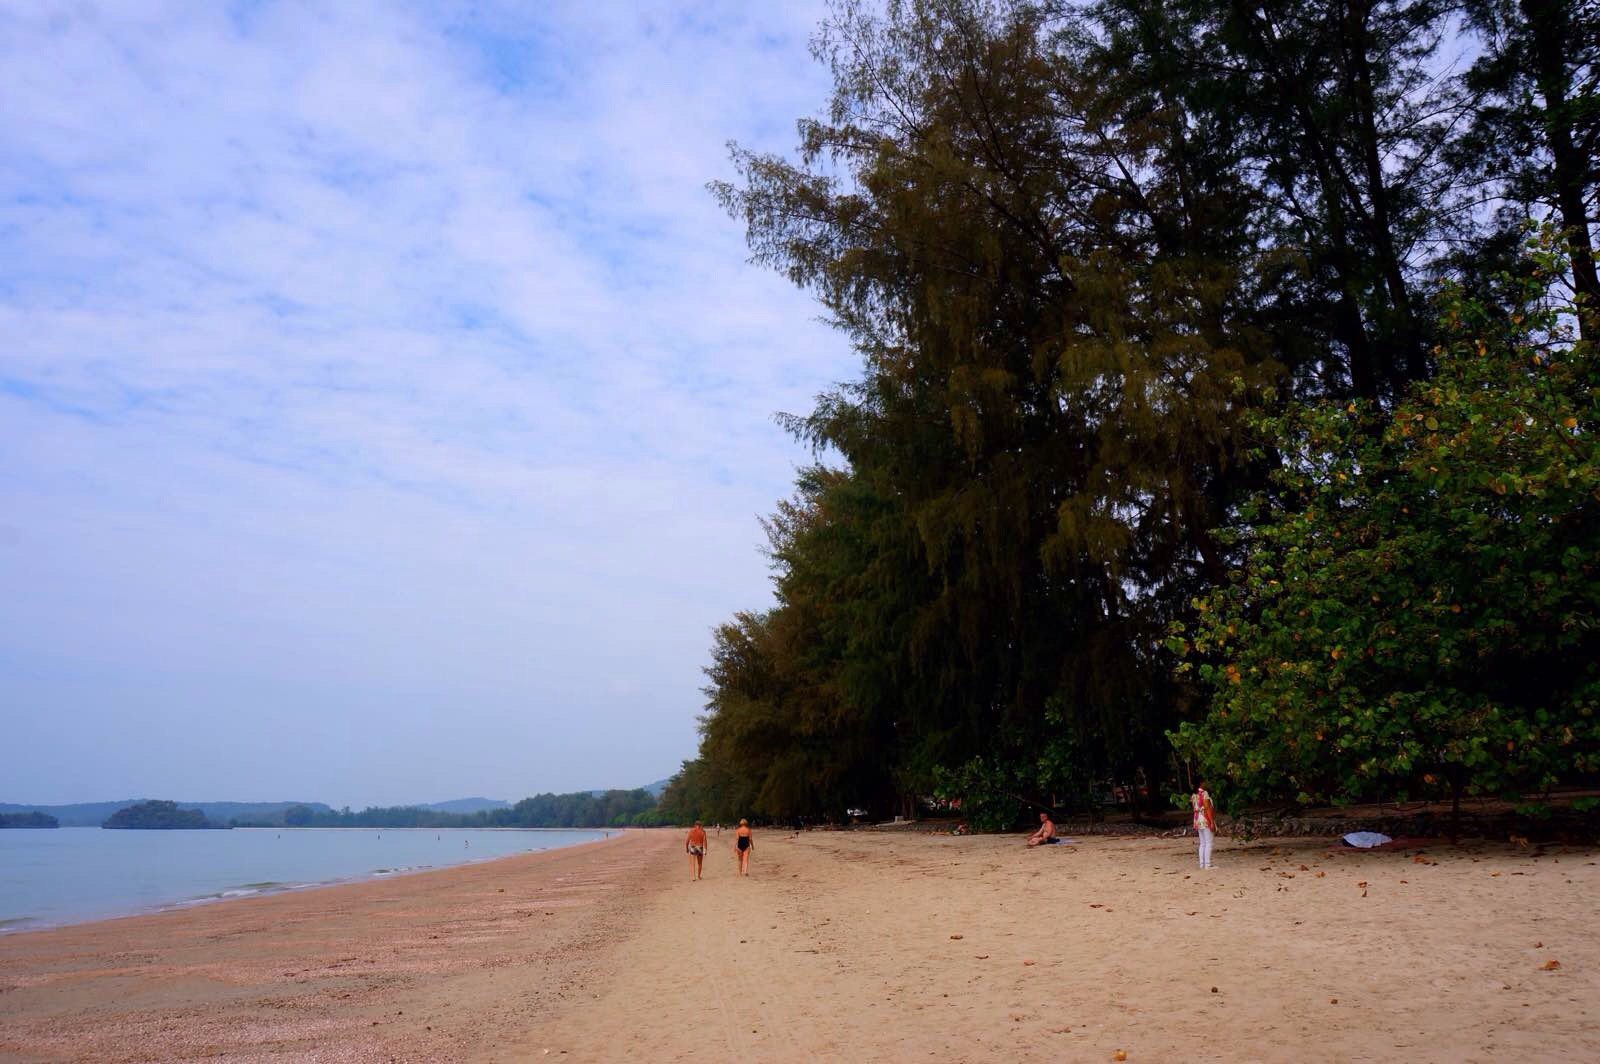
(69, 874)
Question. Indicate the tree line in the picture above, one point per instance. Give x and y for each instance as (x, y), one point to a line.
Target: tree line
(582, 809)
(1227, 405)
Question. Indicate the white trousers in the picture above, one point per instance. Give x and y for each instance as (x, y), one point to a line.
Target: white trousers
(1205, 846)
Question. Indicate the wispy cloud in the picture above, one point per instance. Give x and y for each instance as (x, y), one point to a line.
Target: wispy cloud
(384, 405)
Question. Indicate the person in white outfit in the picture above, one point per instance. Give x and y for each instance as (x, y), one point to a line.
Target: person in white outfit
(1205, 822)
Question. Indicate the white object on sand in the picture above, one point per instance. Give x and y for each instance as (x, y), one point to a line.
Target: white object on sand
(1366, 840)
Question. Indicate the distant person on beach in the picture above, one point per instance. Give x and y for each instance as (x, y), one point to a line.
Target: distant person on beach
(1205, 821)
(695, 847)
(1046, 835)
(743, 844)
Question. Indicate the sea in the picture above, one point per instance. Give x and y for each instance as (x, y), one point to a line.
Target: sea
(52, 876)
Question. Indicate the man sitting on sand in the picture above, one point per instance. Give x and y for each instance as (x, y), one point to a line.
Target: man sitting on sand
(1046, 835)
(695, 847)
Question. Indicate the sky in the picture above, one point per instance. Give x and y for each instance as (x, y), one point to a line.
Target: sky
(386, 408)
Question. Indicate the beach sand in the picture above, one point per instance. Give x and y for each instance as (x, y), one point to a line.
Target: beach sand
(852, 946)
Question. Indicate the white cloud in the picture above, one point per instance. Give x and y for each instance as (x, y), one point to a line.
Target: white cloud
(366, 369)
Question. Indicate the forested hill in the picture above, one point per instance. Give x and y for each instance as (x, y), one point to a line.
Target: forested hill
(1228, 406)
(32, 819)
(159, 815)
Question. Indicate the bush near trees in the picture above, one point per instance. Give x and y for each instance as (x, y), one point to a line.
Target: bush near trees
(1079, 246)
(1417, 612)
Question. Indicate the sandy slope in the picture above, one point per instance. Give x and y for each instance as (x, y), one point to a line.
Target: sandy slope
(840, 947)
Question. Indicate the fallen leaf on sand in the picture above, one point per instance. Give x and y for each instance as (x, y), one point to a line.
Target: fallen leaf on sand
(1538, 945)
(955, 938)
(1214, 990)
(1119, 1055)
(1550, 966)
(1027, 963)
(1096, 905)
(1333, 1001)
(1305, 868)
(1321, 874)
(982, 956)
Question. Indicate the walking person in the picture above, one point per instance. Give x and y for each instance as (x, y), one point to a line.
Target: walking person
(695, 847)
(743, 844)
(1205, 821)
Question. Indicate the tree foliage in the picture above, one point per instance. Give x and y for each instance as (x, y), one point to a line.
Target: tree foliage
(1079, 246)
(1418, 609)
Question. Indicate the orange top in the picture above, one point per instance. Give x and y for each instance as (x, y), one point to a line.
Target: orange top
(1204, 815)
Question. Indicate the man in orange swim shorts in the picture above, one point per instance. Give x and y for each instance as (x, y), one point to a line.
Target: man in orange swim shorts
(695, 847)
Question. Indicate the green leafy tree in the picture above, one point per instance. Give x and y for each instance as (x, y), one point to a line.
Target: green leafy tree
(1418, 611)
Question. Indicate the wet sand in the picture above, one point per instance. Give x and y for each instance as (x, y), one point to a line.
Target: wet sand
(852, 946)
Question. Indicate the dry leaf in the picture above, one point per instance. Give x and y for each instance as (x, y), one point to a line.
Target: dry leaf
(1119, 1055)
(1027, 964)
(1333, 1001)
(955, 938)
(1304, 868)
(1549, 966)
(1321, 874)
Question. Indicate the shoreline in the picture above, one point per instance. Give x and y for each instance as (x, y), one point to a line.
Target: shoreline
(316, 974)
(25, 924)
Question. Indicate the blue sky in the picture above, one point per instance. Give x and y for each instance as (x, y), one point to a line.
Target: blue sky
(385, 406)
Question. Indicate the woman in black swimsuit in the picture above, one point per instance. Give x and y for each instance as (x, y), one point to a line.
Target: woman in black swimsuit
(743, 844)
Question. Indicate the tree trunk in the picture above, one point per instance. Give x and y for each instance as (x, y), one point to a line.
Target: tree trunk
(1409, 365)
(1552, 33)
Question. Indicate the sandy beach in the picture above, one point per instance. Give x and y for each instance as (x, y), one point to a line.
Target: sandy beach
(851, 946)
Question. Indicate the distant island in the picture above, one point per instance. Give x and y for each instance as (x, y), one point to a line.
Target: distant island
(159, 816)
(34, 819)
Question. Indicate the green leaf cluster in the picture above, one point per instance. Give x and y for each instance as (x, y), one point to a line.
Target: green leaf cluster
(1417, 611)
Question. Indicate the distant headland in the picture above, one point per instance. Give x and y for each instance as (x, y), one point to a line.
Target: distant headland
(33, 819)
(580, 809)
